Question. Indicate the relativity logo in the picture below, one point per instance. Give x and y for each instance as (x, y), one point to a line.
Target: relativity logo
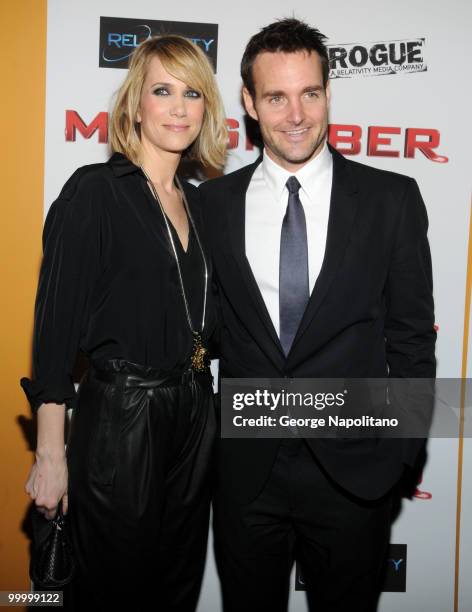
(119, 37)
(377, 58)
(394, 571)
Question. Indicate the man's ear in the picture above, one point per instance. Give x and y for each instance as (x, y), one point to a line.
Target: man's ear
(249, 104)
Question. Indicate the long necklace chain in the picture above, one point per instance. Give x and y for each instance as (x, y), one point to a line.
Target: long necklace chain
(199, 356)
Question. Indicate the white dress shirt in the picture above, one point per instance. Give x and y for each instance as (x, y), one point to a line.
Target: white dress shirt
(266, 205)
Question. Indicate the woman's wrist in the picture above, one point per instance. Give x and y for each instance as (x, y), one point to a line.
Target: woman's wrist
(50, 442)
(51, 453)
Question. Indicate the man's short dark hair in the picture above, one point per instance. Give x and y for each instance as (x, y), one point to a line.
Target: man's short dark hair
(287, 36)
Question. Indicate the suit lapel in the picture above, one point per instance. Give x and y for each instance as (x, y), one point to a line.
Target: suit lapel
(343, 207)
(237, 231)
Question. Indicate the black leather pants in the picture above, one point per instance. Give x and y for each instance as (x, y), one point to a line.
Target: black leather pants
(139, 458)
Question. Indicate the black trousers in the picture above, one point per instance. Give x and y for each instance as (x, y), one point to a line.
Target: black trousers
(339, 541)
(139, 459)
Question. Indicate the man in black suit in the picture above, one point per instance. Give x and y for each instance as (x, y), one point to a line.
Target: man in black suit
(322, 269)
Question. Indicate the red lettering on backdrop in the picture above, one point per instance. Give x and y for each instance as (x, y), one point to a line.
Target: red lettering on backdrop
(345, 134)
(425, 146)
(75, 123)
(374, 139)
(233, 137)
(422, 494)
(338, 135)
(249, 143)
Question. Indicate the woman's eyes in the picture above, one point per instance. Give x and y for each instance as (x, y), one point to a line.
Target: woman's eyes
(163, 91)
(191, 93)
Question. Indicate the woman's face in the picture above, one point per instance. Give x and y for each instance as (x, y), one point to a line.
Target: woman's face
(170, 112)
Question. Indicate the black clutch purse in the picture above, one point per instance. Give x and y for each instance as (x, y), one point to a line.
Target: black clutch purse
(52, 563)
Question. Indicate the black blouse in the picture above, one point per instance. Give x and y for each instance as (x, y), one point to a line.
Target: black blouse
(108, 283)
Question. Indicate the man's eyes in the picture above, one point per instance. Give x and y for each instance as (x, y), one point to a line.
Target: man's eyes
(308, 94)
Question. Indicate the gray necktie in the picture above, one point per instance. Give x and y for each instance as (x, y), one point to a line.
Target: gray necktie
(294, 290)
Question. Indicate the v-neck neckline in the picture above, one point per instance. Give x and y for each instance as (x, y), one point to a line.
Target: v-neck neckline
(176, 233)
(171, 225)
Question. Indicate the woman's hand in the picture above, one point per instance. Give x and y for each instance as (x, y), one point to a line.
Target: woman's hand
(47, 483)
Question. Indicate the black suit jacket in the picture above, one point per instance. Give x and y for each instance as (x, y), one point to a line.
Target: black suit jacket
(370, 314)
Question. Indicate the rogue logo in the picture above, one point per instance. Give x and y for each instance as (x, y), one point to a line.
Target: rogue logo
(377, 58)
(119, 37)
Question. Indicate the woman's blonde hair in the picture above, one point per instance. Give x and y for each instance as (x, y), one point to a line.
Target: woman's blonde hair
(186, 62)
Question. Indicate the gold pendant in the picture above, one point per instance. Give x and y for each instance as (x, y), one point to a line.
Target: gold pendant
(199, 356)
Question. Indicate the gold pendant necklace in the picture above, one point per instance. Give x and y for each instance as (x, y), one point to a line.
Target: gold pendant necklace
(199, 359)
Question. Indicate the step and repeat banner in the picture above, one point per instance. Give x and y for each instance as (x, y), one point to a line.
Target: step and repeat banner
(400, 101)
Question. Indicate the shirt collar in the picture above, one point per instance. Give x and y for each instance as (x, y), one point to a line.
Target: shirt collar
(276, 176)
(121, 165)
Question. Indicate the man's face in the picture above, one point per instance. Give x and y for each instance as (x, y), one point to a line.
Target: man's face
(291, 106)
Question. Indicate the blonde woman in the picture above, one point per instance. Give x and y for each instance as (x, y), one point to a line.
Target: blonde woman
(125, 278)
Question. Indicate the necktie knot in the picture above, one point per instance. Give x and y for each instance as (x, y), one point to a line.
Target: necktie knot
(293, 185)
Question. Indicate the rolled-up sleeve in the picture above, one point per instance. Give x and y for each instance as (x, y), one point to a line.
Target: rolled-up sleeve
(70, 267)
